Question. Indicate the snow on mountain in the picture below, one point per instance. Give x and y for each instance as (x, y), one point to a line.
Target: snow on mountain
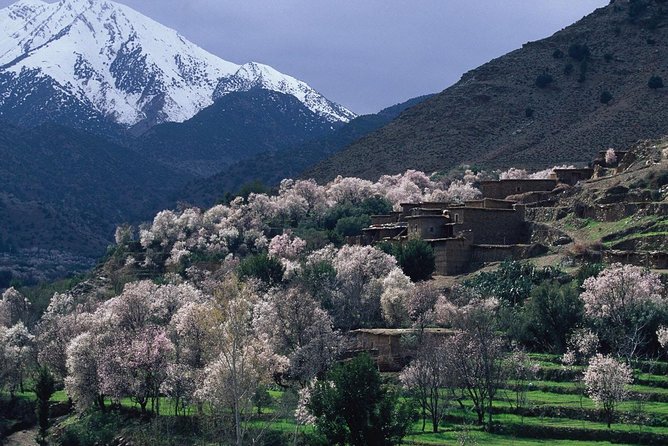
(254, 75)
(124, 65)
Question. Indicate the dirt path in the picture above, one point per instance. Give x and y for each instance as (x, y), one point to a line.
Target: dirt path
(22, 438)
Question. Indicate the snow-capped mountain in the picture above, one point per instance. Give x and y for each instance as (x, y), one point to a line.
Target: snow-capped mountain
(102, 60)
(254, 75)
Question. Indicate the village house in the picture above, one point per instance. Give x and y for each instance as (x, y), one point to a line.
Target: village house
(491, 229)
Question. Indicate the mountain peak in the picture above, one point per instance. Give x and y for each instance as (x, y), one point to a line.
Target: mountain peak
(254, 75)
(116, 63)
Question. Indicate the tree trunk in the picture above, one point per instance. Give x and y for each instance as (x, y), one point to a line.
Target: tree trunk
(424, 416)
(100, 403)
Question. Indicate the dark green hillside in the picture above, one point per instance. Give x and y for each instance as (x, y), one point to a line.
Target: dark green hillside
(65, 190)
(558, 100)
(271, 167)
(236, 127)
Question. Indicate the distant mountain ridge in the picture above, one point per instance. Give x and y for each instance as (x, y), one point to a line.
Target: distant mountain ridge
(557, 100)
(97, 63)
(272, 166)
(237, 126)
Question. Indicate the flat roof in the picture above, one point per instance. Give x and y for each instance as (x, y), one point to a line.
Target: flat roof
(508, 180)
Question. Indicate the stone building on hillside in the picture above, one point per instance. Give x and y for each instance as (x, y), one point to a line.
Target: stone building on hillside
(481, 230)
(572, 176)
(487, 230)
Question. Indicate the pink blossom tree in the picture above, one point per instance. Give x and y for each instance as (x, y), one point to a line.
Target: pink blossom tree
(610, 157)
(428, 379)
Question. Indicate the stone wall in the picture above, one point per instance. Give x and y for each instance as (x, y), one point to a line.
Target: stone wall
(601, 212)
(490, 226)
(504, 188)
(657, 260)
(452, 255)
(499, 253)
(386, 346)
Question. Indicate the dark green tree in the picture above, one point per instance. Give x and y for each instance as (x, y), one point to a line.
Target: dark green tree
(543, 80)
(655, 82)
(513, 281)
(45, 386)
(606, 97)
(416, 258)
(579, 52)
(261, 266)
(552, 313)
(354, 407)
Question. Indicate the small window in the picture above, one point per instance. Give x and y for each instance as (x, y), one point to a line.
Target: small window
(456, 218)
(431, 229)
(519, 188)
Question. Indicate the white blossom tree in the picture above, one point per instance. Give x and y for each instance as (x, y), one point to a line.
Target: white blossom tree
(297, 329)
(360, 271)
(607, 381)
(622, 300)
(19, 355)
(14, 308)
(428, 378)
(242, 360)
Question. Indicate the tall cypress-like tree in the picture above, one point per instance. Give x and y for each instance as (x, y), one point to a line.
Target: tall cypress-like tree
(45, 386)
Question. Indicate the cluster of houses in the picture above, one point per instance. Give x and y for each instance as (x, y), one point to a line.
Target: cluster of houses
(491, 229)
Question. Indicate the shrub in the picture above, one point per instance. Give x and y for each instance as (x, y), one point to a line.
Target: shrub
(353, 406)
(263, 267)
(568, 69)
(529, 112)
(588, 270)
(606, 97)
(655, 82)
(636, 7)
(579, 52)
(608, 57)
(558, 54)
(584, 65)
(513, 281)
(543, 80)
(417, 260)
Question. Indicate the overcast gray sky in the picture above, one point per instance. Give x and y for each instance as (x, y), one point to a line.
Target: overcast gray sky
(365, 54)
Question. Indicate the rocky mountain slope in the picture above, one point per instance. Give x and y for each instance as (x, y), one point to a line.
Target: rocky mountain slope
(95, 63)
(558, 100)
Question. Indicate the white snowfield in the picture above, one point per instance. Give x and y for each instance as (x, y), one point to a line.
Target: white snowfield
(128, 65)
